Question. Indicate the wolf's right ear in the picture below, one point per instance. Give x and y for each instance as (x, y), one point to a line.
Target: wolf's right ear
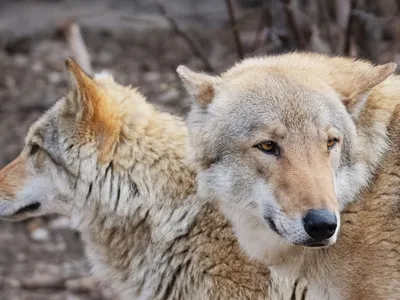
(363, 83)
(200, 86)
(98, 116)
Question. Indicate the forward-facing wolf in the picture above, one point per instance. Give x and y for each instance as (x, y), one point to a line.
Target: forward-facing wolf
(287, 143)
(117, 166)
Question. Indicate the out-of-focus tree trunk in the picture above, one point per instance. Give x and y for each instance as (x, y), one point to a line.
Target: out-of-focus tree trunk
(366, 28)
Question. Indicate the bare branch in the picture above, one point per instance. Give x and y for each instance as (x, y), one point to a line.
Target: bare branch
(343, 10)
(25, 109)
(343, 18)
(73, 36)
(235, 29)
(197, 50)
(316, 43)
(300, 40)
(264, 21)
(43, 282)
(79, 285)
(369, 30)
(348, 35)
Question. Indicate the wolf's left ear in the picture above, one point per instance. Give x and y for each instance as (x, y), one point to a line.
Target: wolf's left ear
(200, 86)
(366, 82)
(97, 115)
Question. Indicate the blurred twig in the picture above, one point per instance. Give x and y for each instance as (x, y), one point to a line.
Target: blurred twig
(344, 19)
(264, 21)
(44, 282)
(235, 29)
(300, 40)
(348, 36)
(368, 33)
(395, 25)
(25, 109)
(78, 285)
(74, 39)
(197, 50)
(343, 11)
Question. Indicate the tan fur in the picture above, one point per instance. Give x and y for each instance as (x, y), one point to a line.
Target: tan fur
(206, 93)
(309, 98)
(11, 184)
(146, 231)
(202, 85)
(365, 262)
(297, 189)
(100, 118)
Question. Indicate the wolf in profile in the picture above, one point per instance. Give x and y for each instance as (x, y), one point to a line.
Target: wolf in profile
(117, 166)
(287, 143)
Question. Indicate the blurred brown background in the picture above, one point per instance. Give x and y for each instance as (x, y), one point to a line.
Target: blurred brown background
(142, 42)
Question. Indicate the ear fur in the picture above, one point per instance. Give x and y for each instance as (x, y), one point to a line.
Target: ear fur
(199, 85)
(97, 116)
(356, 101)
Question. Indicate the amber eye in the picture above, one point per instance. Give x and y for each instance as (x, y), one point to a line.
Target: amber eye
(34, 149)
(331, 143)
(268, 147)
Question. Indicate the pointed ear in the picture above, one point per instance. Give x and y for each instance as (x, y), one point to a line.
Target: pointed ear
(356, 101)
(98, 116)
(199, 85)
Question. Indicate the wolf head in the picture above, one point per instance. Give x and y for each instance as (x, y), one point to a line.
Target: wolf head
(275, 140)
(103, 142)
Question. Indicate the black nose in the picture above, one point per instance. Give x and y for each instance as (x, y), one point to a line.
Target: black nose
(320, 224)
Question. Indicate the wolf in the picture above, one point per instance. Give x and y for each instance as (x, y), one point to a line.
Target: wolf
(287, 143)
(108, 159)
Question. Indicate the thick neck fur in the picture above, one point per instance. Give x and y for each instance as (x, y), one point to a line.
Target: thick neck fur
(131, 208)
(129, 223)
(151, 246)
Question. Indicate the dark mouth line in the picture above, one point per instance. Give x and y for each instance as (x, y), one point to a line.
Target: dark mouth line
(272, 225)
(309, 244)
(29, 208)
(314, 245)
